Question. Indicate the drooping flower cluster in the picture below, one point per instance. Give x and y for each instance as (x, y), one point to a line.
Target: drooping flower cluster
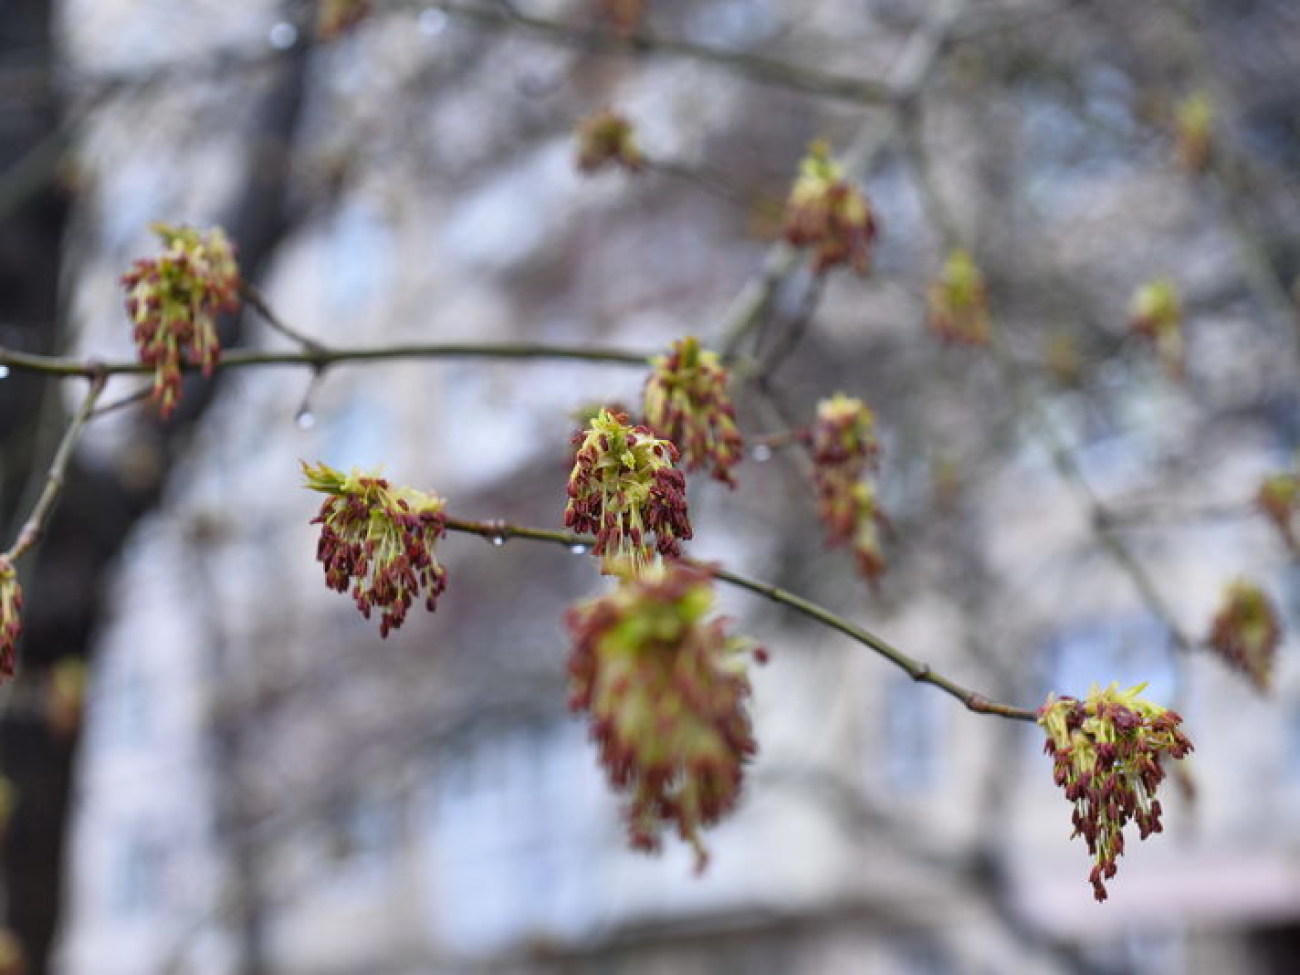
(624, 488)
(380, 541)
(173, 301)
(829, 214)
(667, 693)
(65, 696)
(606, 139)
(1107, 753)
(959, 305)
(11, 622)
(1246, 632)
(842, 442)
(686, 401)
(1156, 313)
(336, 17)
(1279, 498)
(1194, 125)
(624, 16)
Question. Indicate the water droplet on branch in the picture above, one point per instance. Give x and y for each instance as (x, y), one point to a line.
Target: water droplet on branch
(283, 36)
(761, 454)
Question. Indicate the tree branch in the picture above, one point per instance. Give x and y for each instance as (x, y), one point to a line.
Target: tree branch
(321, 357)
(31, 531)
(498, 532)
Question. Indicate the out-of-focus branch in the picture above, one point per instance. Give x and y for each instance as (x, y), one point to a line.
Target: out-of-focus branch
(34, 526)
(1226, 174)
(863, 91)
(915, 63)
(499, 532)
(1063, 459)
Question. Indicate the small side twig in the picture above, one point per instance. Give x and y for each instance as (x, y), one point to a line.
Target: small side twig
(30, 533)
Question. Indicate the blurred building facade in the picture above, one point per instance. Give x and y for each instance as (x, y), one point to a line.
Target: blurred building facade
(267, 787)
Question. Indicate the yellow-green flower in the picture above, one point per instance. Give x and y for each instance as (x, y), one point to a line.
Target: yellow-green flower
(959, 305)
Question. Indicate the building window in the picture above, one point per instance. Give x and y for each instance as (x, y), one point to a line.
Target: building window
(914, 730)
(139, 874)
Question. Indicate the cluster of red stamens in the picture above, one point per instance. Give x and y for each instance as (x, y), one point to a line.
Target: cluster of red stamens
(829, 214)
(1107, 753)
(667, 694)
(686, 401)
(624, 488)
(379, 541)
(173, 301)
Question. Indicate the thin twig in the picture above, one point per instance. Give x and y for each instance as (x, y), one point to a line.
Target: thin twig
(499, 531)
(257, 301)
(31, 531)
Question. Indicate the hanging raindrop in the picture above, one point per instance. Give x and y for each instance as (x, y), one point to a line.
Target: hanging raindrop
(305, 419)
(4, 372)
(283, 36)
(761, 454)
(579, 548)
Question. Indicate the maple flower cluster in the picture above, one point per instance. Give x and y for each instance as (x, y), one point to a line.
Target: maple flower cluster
(1107, 753)
(624, 488)
(667, 693)
(842, 442)
(380, 541)
(606, 139)
(624, 16)
(959, 304)
(336, 17)
(173, 301)
(686, 401)
(1246, 632)
(11, 623)
(1279, 498)
(829, 214)
(1194, 128)
(1156, 313)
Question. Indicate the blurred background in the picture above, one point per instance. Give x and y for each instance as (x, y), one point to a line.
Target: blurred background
(260, 785)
